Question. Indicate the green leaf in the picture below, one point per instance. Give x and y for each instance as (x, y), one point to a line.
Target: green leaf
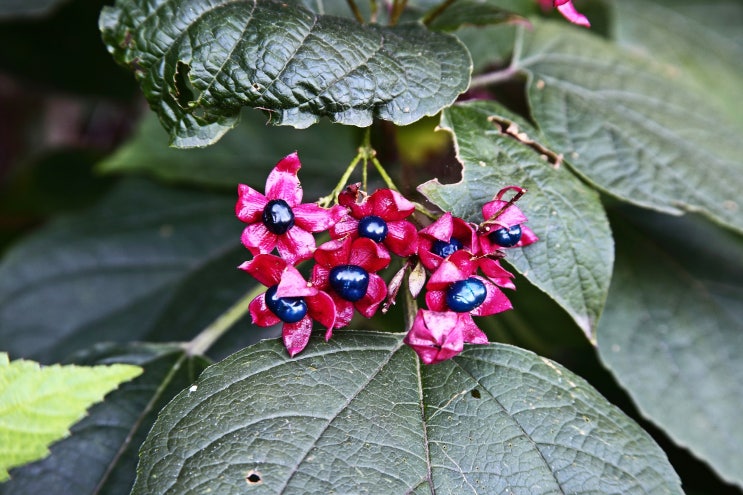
(298, 66)
(147, 263)
(245, 155)
(39, 404)
(573, 259)
(630, 126)
(100, 455)
(708, 58)
(361, 415)
(479, 13)
(672, 335)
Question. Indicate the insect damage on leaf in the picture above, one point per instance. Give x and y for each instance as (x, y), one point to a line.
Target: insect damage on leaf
(511, 129)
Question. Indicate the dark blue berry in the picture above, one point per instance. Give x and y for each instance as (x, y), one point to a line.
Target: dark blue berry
(278, 216)
(506, 237)
(444, 249)
(349, 281)
(465, 295)
(288, 309)
(373, 227)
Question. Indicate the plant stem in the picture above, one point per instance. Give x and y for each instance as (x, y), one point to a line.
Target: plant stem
(385, 176)
(398, 6)
(492, 77)
(411, 305)
(356, 12)
(208, 336)
(428, 19)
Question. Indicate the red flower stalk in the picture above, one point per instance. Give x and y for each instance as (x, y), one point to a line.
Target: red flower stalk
(289, 299)
(279, 219)
(504, 225)
(346, 268)
(379, 217)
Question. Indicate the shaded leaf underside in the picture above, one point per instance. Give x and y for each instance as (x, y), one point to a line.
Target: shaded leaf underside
(674, 344)
(634, 128)
(200, 61)
(360, 415)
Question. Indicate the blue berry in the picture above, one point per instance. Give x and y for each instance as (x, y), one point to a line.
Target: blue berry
(506, 237)
(288, 309)
(278, 216)
(349, 281)
(373, 227)
(465, 295)
(444, 249)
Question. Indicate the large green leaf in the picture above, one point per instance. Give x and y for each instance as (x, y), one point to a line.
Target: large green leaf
(147, 263)
(200, 61)
(100, 455)
(245, 155)
(632, 127)
(361, 415)
(573, 259)
(709, 58)
(672, 333)
(39, 404)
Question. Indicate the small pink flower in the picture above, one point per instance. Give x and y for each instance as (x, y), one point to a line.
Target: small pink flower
(443, 237)
(567, 9)
(346, 269)
(504, 225)
(437, 336)
(455, 287)
(289, 299)
(279, 219)
(379, 217)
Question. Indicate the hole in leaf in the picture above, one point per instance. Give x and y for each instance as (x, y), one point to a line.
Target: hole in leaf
(475, 393)
(253, 478)
(185, 93)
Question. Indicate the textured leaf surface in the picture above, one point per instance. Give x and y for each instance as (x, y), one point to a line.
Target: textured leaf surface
(147, 263)
(100, 455)
(360, 415)
(633, 128)
(673, 337)
(573, 259)
(709, 57)
(245, 155)
(39, 404)
(200, 61)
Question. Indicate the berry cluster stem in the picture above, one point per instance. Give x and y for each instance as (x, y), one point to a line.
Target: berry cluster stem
(209, 335)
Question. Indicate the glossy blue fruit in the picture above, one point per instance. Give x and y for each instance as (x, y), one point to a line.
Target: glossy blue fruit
(506, 237)
(465, 295)
(278, 216)
(444, 249)
(288, 309)
(373, 227)
(349, 281)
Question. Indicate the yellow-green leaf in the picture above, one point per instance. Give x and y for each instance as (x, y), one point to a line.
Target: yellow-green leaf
(38, 404)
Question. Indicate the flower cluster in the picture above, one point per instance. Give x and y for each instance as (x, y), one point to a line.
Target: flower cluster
(462, 260)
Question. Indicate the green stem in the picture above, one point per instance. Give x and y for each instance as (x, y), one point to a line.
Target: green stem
(374, 11)
(411, 305)
(333, 196)
(208, 336)
(385, 176)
